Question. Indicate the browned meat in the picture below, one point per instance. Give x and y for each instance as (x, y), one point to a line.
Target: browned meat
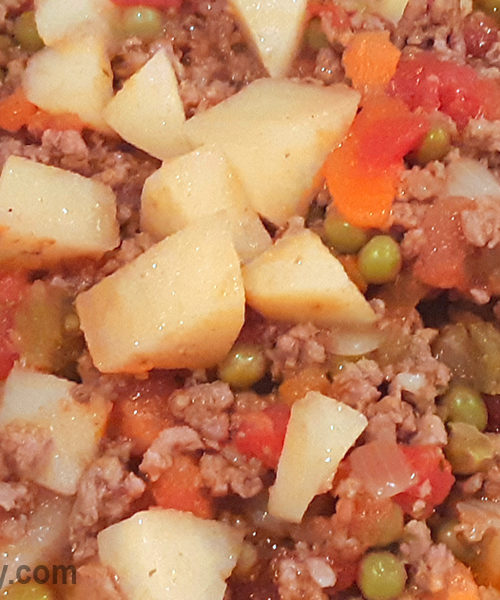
(106, 493)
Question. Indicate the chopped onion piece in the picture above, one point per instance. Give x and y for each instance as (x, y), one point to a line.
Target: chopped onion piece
(321, 572)
(470, 178)
(477, 516)
(382, 467)
(355, 341)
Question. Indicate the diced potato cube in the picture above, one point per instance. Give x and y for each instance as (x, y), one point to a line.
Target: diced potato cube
(48, 214)
(277, 134)
(74, 77)
(275, 27)
(179, 305)
(250, 237)
(59, 19)
(74, 428)
(193, 186)
(148, 111)
(176, 556)
(320, 432)
(298, 280)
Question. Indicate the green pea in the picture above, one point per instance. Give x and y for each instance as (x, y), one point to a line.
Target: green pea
(245, 365)
(468, 450)
(142, 21)
(379, 261)
(342, 236)
(434, 146)
(381, 576)
(26, 32)
(464, 404)
(490, 7)
(446, 533)
(27, 591)
(315, 36)
(391, 527)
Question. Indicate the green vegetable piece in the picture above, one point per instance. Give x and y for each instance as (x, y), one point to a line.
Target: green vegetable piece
(245, 365)
(342, 236)
(28, 591)
(379, 261)
(47, 331)
(434, 146)
(446, 533)
(468, 449)
(26, 32)
(381, 576)
(486, 341)
(472, 351)
(463, 404)
(391, 527)
(315, 36)
(142, 21)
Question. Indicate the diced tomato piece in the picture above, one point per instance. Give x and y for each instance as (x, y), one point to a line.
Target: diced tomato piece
(427, 82)
(180, 486)
(387, 131)
(162, 4)
(12, 288)
(433, 480)
(261, 433)
(441, 262)
(140, 413)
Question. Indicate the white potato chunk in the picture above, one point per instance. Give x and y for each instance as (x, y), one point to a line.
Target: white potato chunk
(44, 401)
(74, 77)
(59, 19)
(298, 280)
(175, 555)
(194, 186)
(46, 538)
(276, 134)
(320, 432)
(179, 305)
(148, 111)
(48, 214)
(275, 27)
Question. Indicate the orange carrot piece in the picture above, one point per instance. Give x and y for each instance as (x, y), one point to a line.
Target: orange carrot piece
(460, 586)
(42, 120)
(363, 198)
(16, 111)
(181, 487)
(370, 60)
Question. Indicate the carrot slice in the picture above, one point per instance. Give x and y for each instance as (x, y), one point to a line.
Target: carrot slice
(364, 199)
(41, 121)
(181, 487)
(370, 60)
(16, 111)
